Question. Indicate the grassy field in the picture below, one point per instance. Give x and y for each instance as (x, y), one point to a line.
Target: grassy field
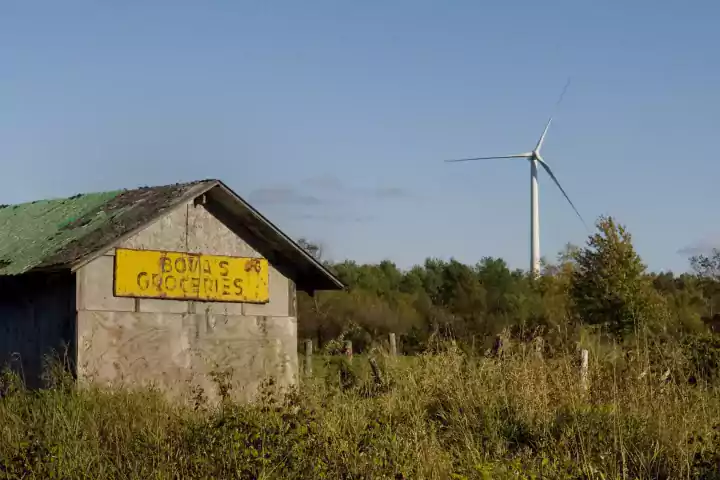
(325, 366)
(437, 416)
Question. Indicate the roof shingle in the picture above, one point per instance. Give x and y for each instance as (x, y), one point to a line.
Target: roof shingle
(53, 233)
(62, 233)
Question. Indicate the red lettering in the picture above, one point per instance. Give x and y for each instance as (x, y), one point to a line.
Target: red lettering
(170, 282)
(253, 264)
(180, 265)
(224, 270)
(165, 264)
(142, 280)
(207, 284)
(193, 264)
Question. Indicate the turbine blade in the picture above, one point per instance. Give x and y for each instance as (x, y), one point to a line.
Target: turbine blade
(567, 84)
(552, 175)
(542, 137)
(547, 125)
(520, 155)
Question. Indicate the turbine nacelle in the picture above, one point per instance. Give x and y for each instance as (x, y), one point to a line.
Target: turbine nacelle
(533, 155)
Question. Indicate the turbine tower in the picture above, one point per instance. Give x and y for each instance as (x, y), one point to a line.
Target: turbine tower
(535, 159)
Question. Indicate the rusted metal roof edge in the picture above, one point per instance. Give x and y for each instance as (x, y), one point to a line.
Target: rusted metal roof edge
(279, 233)
(196, 192)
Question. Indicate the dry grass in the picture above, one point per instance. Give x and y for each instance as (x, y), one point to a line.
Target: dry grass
(440, 416)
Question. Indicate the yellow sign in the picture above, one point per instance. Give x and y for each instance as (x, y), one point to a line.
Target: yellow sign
(187, 276)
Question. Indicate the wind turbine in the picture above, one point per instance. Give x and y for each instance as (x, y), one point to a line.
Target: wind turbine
(535, 159)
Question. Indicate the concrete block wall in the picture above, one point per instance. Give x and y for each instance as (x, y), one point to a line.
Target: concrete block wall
(180, 345)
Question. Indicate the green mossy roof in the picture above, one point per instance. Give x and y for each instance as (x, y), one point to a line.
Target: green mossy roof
(56, 233)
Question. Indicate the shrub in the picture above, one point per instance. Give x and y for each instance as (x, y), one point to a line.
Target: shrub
(703, 354)
(433, 416)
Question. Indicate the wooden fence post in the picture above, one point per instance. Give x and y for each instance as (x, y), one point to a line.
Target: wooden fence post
(377, 373)
(498, 346)
(584, 369)
(308, 357)
(538, 347)
(393, 345)
(348, 350)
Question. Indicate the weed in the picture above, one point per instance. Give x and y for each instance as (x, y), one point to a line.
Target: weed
(433, 416)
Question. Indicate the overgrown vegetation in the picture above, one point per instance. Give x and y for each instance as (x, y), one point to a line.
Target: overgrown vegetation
(603, 286)
(441, 415)
(455, 408)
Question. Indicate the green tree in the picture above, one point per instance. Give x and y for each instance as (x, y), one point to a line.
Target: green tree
(707, 265)
(312, 248)
(707, 268)
(603, 284)
(685, 299)
(609, 287)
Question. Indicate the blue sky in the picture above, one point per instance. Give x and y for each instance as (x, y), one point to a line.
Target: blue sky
(333, 117)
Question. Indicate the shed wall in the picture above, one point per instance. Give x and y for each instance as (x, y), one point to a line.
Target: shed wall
(37, 322)
(182, 345)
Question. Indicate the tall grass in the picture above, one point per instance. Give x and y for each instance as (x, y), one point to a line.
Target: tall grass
(444, 415)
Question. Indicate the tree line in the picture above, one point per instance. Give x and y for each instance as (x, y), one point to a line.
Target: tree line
(602, 287)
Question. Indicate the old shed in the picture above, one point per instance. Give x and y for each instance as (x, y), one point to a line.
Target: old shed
(176, 286)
